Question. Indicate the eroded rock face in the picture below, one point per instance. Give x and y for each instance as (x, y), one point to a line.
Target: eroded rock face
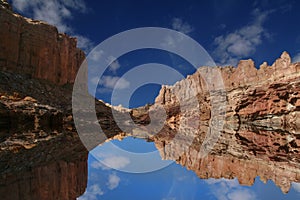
(258, 112)
(260, 136)
(37, 49)
(41, 155)
(58, 180)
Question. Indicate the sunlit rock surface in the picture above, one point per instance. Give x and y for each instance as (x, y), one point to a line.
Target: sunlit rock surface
(260, 136)
(220, 122)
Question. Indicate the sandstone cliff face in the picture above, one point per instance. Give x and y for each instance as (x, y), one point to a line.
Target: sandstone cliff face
(37, 49)
(260, 110)
(41, 156)
(58, 180)
(260, 134)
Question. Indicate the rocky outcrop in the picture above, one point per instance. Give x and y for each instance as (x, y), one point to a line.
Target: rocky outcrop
(27, 114)
(260, 123)
(36, 49)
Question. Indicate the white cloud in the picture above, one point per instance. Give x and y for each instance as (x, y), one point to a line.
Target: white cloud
(172, 41)
(296, 186)
(169, 42)
(115, 65)
(224, 189)
(107, 160)
(114, 82)
(296, 58)
(52, 11)
(91, 193)
(241, 194)
(113, 181)
(96, 54)
(181, 26)
(55, 12)
(116, 162)
(243, 42)
(84, 43)
(98, 165)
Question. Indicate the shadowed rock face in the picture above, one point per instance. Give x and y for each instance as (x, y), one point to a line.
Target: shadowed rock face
(242, 123)
(41, 156)
(57, 180)
(37, 49)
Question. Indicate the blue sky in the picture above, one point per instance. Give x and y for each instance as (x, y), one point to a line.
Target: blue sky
(171, 183)
(228, 30)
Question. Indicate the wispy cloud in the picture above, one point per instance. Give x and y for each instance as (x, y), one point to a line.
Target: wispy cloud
(114, 82)
(115, 65)
(181, 26)
(113, 181)
(243, 42)
(224, 189)
(84, 43)
(110, 83)
(296, 58)
(116, 162)
(296, 186)
(57, 13)
(92, 193)
(110, 161)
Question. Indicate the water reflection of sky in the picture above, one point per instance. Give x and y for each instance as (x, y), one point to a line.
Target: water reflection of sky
(171, 183)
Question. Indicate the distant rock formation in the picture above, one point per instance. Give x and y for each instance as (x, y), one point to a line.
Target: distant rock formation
(35, 48)
(260, 136)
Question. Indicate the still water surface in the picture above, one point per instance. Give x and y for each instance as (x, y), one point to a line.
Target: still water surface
(170, 183)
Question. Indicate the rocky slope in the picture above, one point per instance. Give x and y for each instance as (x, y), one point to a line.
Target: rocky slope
(37, 49)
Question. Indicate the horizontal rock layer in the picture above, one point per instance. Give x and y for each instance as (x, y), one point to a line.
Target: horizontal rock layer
(36, 49)
(257, 111)
(221, 122)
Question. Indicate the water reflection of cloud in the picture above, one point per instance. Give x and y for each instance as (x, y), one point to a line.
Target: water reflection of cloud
(113, 181)
(296, 186)
(224, 189)
(108, 162)
(91, 193)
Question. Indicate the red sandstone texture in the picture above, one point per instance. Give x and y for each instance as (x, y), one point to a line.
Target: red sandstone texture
(260, 109)
(260, 136)
(37, 49)
(58, 180)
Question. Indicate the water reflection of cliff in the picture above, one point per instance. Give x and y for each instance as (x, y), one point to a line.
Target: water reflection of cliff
(259, 133)
(243, 154)
(51, 169)
(41, 156)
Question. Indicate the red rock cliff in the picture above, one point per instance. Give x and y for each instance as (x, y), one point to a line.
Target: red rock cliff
(260, 135)
(37, 49)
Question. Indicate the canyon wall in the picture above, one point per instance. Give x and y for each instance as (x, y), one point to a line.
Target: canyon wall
(36, 49)
(41, 155)
(241, 122)
(260, 124)
(57, 180)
